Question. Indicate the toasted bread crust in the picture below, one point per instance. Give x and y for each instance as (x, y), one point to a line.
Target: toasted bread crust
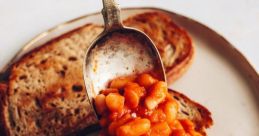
(174, 44)
(199, 114)
(3, 89)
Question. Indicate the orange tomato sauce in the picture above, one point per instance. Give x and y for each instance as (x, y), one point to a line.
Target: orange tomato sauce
(140, 106)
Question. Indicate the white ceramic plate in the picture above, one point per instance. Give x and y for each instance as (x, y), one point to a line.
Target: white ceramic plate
(220, 77)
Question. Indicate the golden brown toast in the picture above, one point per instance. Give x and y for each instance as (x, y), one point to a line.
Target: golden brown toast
(45, 94)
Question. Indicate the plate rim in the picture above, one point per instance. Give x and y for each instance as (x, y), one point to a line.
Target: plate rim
(254, 74)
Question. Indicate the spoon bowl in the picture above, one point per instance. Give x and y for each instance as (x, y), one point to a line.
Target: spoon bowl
(118, 51)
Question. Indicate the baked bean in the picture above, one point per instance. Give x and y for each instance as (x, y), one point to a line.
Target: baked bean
(109, 90)
(132, 98)
(121, 82)
(156, 95)
(176, 125)
(100, 103)
(160, 129)
(146, 80)
(133, 92)
(114, 102)
(114, 125)
(170, 109)
(157, 116)
(136, 127)
(136, 88)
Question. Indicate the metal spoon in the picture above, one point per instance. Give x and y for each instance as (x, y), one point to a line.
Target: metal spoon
(118, 51)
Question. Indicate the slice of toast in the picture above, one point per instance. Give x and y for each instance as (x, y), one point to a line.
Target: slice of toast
(46, 93)
(174, 44)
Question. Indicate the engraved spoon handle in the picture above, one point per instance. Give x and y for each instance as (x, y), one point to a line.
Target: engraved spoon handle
(111, 15)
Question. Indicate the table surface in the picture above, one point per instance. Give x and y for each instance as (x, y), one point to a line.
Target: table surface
(236, 20)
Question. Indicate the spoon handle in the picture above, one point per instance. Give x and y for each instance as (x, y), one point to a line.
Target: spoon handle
(111, 15)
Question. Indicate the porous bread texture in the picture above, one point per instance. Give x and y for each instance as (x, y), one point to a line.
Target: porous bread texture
(193, 111)
(46, 94)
